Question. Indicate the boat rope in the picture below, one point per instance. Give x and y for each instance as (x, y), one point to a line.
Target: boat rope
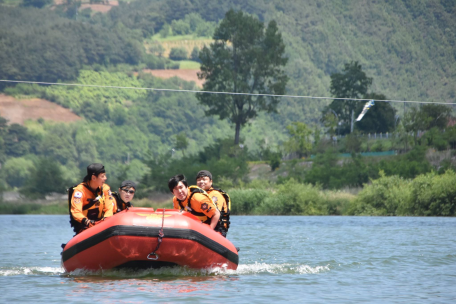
(217, 92)
(153, 255)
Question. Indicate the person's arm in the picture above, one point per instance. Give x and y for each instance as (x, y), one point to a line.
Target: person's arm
(207, 206)
(214, 219)
(110, 202)
(76, 206)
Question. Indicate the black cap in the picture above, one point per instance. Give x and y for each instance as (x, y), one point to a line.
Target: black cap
(128, 183)
(94, 169)
(204, 173)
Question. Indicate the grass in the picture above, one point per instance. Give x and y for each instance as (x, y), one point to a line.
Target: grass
(189, 65)
(62, 207)
(12, 2)
(159, 38)
(34, 208)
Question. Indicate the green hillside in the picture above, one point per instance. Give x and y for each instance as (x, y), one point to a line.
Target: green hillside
(407, 47)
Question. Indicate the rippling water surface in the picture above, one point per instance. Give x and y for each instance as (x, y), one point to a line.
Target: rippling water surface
(282, 259)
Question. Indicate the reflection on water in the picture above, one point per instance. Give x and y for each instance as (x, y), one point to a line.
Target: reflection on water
(177, 284)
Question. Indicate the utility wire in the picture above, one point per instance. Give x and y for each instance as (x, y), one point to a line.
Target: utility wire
(222, 93)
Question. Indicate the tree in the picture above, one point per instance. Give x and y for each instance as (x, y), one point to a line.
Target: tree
(16, 171)
(352, 83)
(195, 54)
(181, 142)
(245, 58)
(17, 140)
(178, 54)
(414, 121)
(437, 115)
(36, 3)
(299, 142)
(380, 118)
(3, 132)
(45, 178)
(330, 121)
(427, 117)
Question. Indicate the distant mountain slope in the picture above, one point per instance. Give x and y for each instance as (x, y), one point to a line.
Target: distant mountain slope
(407, 46)
(20, 110)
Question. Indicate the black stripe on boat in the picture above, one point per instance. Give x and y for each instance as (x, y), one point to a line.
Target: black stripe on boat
(152, 232)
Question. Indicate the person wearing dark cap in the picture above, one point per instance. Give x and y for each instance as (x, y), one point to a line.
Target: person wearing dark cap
(124, 196)
(220, 198)
(194, 200)
(91, 200)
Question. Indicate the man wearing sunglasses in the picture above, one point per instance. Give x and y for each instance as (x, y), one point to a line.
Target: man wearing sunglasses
(124, 196)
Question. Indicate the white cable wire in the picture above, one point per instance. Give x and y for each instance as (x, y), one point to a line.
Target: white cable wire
(225, 93)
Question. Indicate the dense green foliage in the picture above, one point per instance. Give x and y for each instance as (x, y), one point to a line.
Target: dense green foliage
(329, 171)
(354, 83)
(248, 58)
(40, 46)
(33, 208)
(228, 163)
(427, 194)
(407, 47)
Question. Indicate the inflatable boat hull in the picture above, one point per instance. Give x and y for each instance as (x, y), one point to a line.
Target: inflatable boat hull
(127, 239)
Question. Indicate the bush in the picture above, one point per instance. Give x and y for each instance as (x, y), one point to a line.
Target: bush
(17, 171)
(377, 146)
(178, 54)
(45, 178)
(433, 194)
(180, 27)
(154, 63)
(293, 198)
(337, 202)
(388, 195)
(247, 201)
(195, 54)
(352, 143)
(326, 172)
(173, 66)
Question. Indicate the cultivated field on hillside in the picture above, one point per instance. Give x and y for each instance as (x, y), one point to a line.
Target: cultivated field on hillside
(187, 75)
(20, 110)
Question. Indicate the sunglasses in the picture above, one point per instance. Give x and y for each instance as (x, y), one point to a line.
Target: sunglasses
(128, 191)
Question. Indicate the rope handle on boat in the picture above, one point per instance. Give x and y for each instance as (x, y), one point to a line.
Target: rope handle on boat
(153, 255)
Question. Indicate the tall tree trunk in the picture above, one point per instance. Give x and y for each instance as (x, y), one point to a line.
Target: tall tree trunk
(238, 131)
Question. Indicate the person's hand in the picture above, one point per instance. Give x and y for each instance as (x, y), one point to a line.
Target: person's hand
(89, 223)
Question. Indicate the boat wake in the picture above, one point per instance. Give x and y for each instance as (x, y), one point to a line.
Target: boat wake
(243, 269)
(262, 268)
(14, 271)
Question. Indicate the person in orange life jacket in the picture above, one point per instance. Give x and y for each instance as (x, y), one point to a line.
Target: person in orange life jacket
(194, 200)
(124, 196)
(91, 200)
(204, 181)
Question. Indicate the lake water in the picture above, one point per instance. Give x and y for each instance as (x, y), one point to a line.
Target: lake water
(282, 259)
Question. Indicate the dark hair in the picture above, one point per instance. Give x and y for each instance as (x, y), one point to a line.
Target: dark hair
(174, 181)
(128, 184)
(93, 169)
(203, 173)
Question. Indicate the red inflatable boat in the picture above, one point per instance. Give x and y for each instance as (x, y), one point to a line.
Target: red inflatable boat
(130, 238)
